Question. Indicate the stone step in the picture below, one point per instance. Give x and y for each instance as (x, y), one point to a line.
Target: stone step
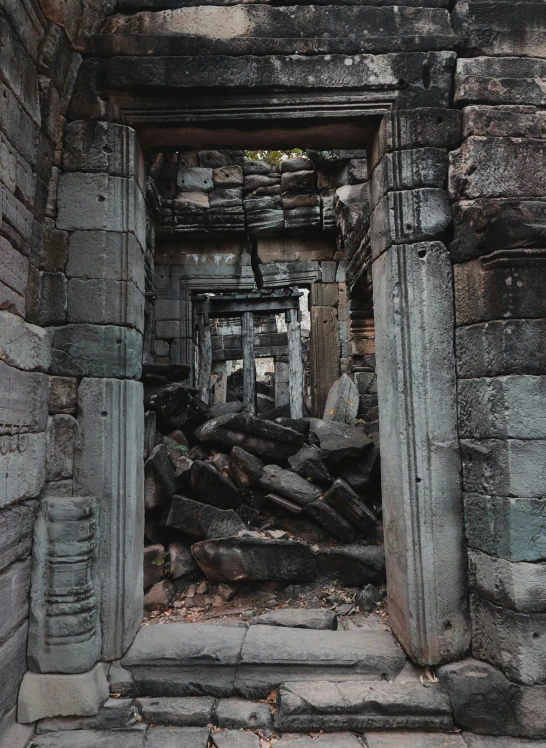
(359, 706)
(182, 659)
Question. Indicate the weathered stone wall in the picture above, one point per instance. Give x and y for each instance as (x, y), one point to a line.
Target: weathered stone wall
(41, 42)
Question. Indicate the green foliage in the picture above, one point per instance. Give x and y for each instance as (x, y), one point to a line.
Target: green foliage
(273, 158)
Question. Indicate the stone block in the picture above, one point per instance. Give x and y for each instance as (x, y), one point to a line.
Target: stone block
(105, 302)
(191, 711)
(22, 345)
(14, 589)
(485, 225)
(18, 126)
(488, 741)
(178, 737)
(497, 167)
(13, 278)
(13, 663)
(45, 695)
(100, 202)
(485, 701)
(408, 128)
(51, 299)
(22, 466)
(64, 627)
(504, 122)
(23, 400)
(506, 284)
(116, 714)
(95, 350)
(497, 348)
(501, 28)
(511, 641)
(511, 528)
(12, 734)
(342, 401)
(519, 585)
(63, 392)
(195, 179)
(500, 80)
(109, 465)
(103, 147)
(228, 176)
(511, 467)
(106, 255)
(413, 301)
(409, 216)
(237, 714)
(60, 435)
(407, 170)
(502, 407)
(16, 527)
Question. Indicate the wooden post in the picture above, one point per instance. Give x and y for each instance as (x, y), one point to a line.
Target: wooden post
(249, 362)
(295, 363)
(205, 358)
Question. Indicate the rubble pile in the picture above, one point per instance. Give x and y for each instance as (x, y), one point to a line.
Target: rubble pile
(235, 498)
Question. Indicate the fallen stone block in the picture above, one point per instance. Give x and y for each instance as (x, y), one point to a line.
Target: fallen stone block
(396, 739)
(350, 505)
(132, 738)
(302, 618)
(160, 596)
(323, 514)
(255, 559)
(245, 469)
(115, 714)
(211, 487)
(352, 565)
(368, 598)
(159, 485)
(288, 484)
(235, 739)
(238, 714)
(342, 401)
(154, 557)
(330, 706)
(309, 464)
(359, 473)
(52, 695)
(178, 737)
(338, 441)
(272, 655)
(181, 562)
(191, 711)
(219, 523)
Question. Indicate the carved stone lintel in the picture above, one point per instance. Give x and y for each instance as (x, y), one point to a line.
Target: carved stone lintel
(64, 631)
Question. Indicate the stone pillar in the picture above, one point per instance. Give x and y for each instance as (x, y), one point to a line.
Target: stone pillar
(295, 363)
(205, 359)
(249, 362)
(109, 465)
(325, 343)
(282, 393)
(219, 389)
(420, 462)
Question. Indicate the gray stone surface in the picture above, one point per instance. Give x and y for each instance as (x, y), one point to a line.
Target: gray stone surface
(12, 734)
(23, 345)
(95, 351)
(60, 436)
(368, 598)
(350, 505)
(511, 528)
(16, 528)
(420, 468)
(93, 739)
(64, 630)
(63, 393)
(338, 441)
(497, 741)
(109, 465)
(154, 559)
(408, 169)
(342, 401)
(14, 590)
(511, 467)
(302, 618)
(330, 706)
(335, 740)
(192, 711)
(121, 680)
(115, 714)
(105, 302)
(219, 523)
(106, 255)
(159, 478)
(22, 466)
(13, 663)
(412, 739)
(255, 559)
(178, 737)
(288, 484)
(308, 463)
(327, 517)
(235, 739)
(212, 487)
(245, 469)
(52, 695)
(512, 641)
(23, 400)
(238, 714)
(352, 565)
(477, 81)
(517, 585)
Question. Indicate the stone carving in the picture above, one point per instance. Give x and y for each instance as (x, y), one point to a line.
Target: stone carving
(64, 630)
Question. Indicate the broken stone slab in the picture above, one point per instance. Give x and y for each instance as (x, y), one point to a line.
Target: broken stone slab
(499, 80)
(195, 179)
(338, 441)
(330, 706)
(51, 695)
(121, 680)
(284, 503)
(115, 714)
(245, 469)
(309, 464)
(159, 485)
(264, 439)
(185, 660)
(132, 738)
(211, 487)
(323, 514)
(178, 737)
(517, 585)
(303, 618)
(183, 515)
(219, 523)
(288, 484)
(352, 565)
(342, 401)
(272, 655)
(181, 562)
(191, 711)
(368, 598)
(23, 345)
(182, 472)
(154, 557)
(512, 641)
(255, 559)
(350, 505)
(62, 395)
(396, 739)
(235, 739)
(485, 701)
(238, 714)
(159, 596)
(176, 407)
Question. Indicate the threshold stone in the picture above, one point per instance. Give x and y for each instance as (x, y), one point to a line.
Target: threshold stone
(299, 619)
